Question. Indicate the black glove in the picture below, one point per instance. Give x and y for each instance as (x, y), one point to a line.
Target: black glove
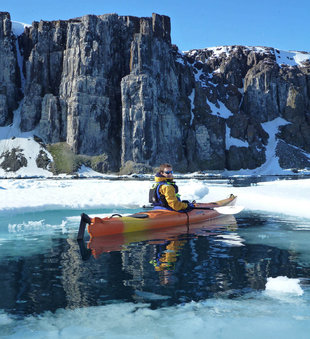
(189, 207)
(186, 201)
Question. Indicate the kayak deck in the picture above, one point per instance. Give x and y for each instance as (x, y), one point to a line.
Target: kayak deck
(152, 219)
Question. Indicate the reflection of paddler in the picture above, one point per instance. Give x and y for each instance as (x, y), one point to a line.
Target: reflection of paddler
(168, 258)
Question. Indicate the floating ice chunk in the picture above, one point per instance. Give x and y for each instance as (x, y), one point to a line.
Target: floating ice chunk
(5, 318)
(27, 226)
(284, 285)
(37, 227)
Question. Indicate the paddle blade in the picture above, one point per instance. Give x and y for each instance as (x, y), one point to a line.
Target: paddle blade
(229, 209)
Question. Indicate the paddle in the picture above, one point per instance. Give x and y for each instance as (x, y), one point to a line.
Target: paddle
(223, 209)
(85, 219)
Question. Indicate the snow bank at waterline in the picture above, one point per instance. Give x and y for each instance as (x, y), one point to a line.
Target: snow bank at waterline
(288, 196)
(259, 315)
(284, 285)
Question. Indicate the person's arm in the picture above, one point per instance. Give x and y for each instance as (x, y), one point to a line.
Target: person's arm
(173, 202)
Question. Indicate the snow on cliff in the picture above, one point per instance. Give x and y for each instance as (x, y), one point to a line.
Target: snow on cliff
(18, 27)
(289, 58)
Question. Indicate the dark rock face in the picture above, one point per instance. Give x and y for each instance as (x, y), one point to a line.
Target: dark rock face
(153, 114)
(74, 71)
(43, 160)
(14, 160)
(115, 87)
(9, 72)
(259, 89)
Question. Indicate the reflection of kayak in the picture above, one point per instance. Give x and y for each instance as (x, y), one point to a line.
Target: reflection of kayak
(118, 242)
(154, 219)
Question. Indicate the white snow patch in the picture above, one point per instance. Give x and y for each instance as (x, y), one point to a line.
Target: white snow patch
(271, 165)
(284, 285)
(217, 51)
(198, 74)
(179, 58)
(272, 128)
(222, 111)
(259, 49)
(87, 172)
(291, 58)
(12, 138)
(30, 150)
(231, 141)
(19, 27)
(191, 98)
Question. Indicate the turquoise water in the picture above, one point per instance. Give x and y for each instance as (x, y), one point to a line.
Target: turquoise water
(203, 281)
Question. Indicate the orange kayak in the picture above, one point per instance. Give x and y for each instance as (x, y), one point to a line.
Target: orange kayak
(152, 219)
(118, 242)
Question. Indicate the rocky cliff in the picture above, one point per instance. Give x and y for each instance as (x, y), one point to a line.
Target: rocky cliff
(113, 93)
(9, 71)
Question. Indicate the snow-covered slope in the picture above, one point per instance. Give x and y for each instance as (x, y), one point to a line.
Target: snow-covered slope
(13, 141)
(23, 144)
(289, 58)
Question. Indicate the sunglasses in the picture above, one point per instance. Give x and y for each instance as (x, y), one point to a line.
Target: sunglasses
(168, 172)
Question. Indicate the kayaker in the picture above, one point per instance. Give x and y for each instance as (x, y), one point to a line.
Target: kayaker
(164, 193)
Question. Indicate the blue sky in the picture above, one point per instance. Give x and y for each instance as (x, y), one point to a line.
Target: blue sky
(194, 23)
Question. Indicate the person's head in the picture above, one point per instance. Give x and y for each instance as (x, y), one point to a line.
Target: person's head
(166, 170)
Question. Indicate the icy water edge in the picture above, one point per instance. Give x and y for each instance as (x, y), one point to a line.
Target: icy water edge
(206, 281)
